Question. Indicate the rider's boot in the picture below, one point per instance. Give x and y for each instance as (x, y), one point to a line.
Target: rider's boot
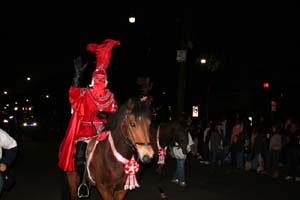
(80, 160)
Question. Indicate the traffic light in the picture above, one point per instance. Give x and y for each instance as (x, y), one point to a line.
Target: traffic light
(266, 85)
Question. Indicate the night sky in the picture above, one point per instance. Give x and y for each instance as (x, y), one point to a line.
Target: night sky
(253, 42)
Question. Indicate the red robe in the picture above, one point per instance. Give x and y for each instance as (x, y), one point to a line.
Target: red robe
(85, 107)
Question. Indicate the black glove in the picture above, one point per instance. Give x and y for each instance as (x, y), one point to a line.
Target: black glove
(103, 115)
(79, 68)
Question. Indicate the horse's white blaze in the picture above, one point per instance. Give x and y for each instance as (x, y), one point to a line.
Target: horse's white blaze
(141, 137)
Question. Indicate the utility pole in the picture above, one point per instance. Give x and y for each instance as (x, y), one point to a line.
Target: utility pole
(181, 89)
(183, 30)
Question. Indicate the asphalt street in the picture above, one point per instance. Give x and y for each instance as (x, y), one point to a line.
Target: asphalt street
(38, 178)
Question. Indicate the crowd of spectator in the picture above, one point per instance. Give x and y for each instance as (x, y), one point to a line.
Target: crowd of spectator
(270, 147)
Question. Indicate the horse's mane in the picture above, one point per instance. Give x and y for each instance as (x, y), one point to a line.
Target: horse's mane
(137, 107)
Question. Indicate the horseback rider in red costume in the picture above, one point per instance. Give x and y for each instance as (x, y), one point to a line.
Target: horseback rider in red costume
(90, 106)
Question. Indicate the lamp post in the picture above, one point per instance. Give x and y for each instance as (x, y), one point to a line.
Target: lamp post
(181, 88)
(203, 61)
(183, 38)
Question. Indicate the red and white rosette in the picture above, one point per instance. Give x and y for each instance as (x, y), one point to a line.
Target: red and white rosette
(131, 168)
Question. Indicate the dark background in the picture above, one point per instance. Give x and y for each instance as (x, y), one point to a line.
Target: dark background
(253, 42)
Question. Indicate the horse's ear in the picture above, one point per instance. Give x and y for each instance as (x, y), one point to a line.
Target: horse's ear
(130, 104)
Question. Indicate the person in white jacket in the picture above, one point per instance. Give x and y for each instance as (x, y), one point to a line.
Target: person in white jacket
(179, 175)
(8, 152)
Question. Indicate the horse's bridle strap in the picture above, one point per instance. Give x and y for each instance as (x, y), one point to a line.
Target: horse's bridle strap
(143, 143)
(130, 136)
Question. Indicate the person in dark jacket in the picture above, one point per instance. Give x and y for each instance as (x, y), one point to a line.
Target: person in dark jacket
(8, 153)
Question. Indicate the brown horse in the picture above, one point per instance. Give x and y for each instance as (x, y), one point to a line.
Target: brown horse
(111, 164)
(164, 135)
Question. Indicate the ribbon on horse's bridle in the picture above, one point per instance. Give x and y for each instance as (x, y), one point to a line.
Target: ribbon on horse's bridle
(162, 152)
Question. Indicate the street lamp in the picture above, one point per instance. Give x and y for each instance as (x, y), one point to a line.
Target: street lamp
(131, 19)
(203, 61)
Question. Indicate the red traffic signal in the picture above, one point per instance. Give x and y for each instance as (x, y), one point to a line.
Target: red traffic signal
(265, 84)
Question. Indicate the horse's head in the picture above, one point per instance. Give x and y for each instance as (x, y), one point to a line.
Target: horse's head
(136, 127)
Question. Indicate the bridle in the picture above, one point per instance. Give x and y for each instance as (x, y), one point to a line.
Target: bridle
(128, 134)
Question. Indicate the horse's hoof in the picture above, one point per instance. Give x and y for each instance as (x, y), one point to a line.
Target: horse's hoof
(163, 196)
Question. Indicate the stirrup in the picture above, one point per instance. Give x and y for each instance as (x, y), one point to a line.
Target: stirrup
(84, 187)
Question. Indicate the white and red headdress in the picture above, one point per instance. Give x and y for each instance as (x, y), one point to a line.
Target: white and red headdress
(103, 55)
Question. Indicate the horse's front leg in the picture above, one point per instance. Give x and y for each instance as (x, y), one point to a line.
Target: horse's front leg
(120, 195)
(73, 181)
(106, 193)
(159, 169)
(162, 193)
